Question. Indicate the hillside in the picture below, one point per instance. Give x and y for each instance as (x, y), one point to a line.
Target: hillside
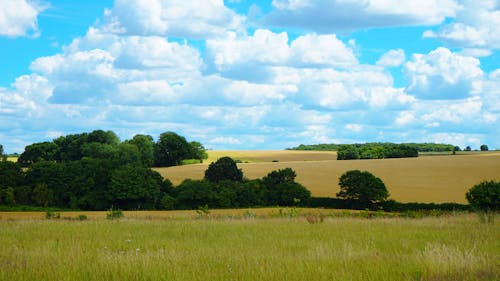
(422, 179)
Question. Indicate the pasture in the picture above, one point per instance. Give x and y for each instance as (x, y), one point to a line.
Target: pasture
(174, 246)
(427, 179)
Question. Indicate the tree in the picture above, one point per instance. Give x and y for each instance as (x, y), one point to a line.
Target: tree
(197, 151)
(146, 147)
(43, 151)
(1, 151)
(134, 187)
(170, 150)
(363, 187)
(484, 147)
(485, 196)
(467, 148)
(223, 169)
(283, 190)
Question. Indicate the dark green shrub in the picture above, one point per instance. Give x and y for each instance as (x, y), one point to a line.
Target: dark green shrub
(485, 196)
(363, 187)
(114, 214)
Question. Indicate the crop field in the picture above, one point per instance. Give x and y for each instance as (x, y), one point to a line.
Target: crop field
(436, 179)
(174, 246)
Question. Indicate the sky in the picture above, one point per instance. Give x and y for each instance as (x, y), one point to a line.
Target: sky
(241, 74)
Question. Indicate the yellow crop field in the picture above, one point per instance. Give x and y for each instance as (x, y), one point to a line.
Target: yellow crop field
(423, 179)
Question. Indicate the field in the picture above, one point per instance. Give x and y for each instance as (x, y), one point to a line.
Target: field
(179, 246)
(444, 178)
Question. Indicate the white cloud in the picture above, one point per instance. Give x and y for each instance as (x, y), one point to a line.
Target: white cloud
(19, 18)
(328, 16)
(178, 18)
(392, 58)
(354, 127)
(268, 48)
(442, 74)
(475, 28)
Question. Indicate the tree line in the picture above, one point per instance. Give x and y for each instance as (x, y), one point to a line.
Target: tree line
(95, 171)
(375, 151)
(420, 147)
(169, 150)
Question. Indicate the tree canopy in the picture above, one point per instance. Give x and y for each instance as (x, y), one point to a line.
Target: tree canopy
(224, 168)
(362, 186)
(485, 196)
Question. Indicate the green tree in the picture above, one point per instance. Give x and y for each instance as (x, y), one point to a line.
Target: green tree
(43, 151)
(363, 187)
(1, 151)
(134, 187)
(197, 151)
(485, 196)
(467, 148)
(484, 147)
(224, 168)
(42, 195)
(171, 149)
(146, 147)
(10, 174)
(283, 190)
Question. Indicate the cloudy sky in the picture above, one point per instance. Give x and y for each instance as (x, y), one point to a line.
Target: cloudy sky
(241, 74)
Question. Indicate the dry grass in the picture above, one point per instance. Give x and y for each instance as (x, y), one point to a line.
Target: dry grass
(422, 179)
(256, 156)
(342, 248)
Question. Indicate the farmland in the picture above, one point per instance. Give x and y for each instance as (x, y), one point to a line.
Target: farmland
(175, 246)
(444, 178)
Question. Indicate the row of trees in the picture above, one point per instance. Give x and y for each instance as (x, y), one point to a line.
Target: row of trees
(169, 150)
(420, 147)
(98, 184)
(375, 151)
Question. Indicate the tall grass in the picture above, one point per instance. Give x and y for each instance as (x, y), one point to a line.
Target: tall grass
(341, 248)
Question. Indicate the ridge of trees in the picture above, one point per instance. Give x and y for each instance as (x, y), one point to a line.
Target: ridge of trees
(420, 147)
(169, 150)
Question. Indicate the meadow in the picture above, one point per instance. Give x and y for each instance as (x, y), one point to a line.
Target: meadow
(185, 246)
(443, 178)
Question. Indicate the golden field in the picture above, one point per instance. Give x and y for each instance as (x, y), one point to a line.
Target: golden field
(423, 179)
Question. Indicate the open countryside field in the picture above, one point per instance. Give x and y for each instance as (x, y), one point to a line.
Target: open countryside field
(455, 247)
(424, 179)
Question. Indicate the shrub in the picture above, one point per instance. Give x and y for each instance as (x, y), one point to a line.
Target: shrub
(113, 214)
(485, 196)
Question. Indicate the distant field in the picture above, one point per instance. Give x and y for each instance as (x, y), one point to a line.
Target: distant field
(455, 247)
(422, 179)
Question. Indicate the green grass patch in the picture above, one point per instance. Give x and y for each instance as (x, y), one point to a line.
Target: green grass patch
(455, 247)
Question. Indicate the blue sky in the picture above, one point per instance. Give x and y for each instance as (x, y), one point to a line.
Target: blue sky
(241, 74)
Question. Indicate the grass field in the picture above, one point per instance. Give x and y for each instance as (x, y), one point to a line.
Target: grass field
(173, 247)
(422, 179)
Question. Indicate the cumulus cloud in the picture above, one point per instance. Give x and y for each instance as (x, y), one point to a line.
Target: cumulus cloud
(326, 16)
(178, 18)
(475, 28)
(442, 74)
(19, 18)
(392, 58)
(268, 48)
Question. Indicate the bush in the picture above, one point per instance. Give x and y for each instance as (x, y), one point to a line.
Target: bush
(113, 214)
(363, 187)
(485, 196)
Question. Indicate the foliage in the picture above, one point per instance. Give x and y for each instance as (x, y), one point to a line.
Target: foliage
(484, 147)
(171, 149)
(44, 151)
(420, 147)
(134, 187)
(223, 169)
(1, 150)
(114, 214)
(485, 196)
(375, 151)
(146, 148)
(282, 189)
(362, 186)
